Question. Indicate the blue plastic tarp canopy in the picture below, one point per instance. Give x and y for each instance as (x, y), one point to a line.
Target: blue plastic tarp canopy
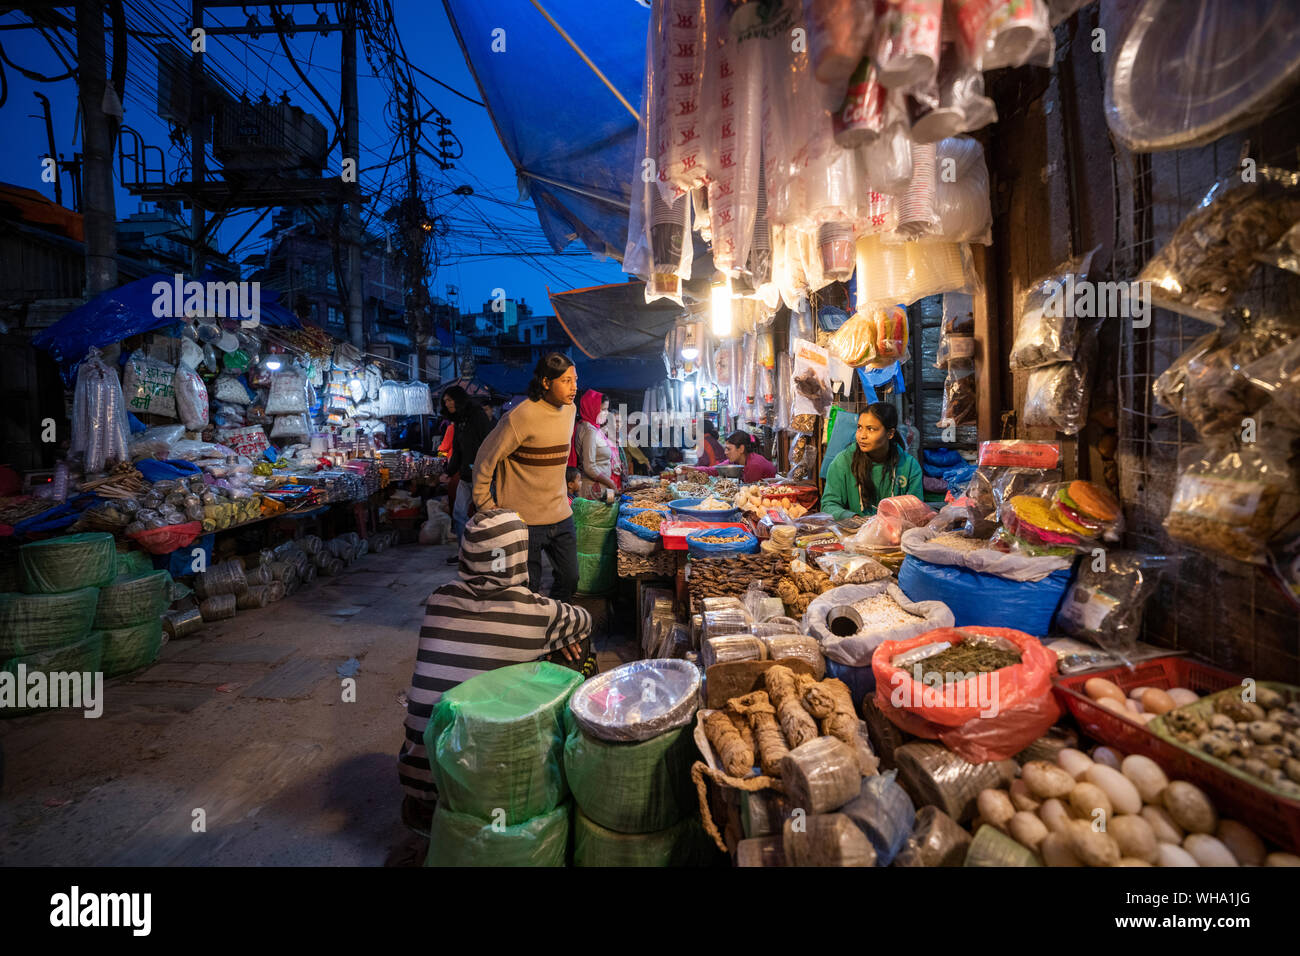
(572, 142)
(125, 311)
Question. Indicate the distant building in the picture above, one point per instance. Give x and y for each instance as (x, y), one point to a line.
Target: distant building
(158, 237)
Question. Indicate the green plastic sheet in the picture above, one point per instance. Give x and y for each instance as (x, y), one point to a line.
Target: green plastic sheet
(133, 600)
(83, 657)
(131, 563)
(458, 839)
(683, 844)
(496, 742)
(631, 787)
(68, 563)
(594, 525)
(32, 623)
(130, 648)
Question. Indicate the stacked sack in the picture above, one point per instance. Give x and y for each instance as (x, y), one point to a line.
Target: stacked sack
(594, 523)
(627, 759)
(130, 613)
(494, 744)
(49, 624)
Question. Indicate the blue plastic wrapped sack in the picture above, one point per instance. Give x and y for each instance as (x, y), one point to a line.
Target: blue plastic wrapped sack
(861, 681)
(884, 812)
(986, 599)
(705, 549)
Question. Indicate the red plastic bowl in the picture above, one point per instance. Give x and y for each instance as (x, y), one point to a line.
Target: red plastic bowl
(1273, 817)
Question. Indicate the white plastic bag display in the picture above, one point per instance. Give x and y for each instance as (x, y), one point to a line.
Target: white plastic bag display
(99, 429)
(230, 389)
(854, 650)
(1014, 566)
(291, 426)
(961, 201)
(288, 393)
(392, 399)
(416, 399)
(191, 398)
(149, 386)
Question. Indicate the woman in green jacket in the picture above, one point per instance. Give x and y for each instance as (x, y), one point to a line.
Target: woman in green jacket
(876, 466)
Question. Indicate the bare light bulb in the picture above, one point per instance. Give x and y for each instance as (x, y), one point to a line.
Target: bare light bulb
(721, 308)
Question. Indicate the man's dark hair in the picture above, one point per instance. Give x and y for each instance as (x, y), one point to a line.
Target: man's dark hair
(551, 367)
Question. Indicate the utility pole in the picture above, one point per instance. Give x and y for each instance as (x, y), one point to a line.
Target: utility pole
(100, 208)
(352, 150)
(417, 296)
(198, 138)
(49, 139)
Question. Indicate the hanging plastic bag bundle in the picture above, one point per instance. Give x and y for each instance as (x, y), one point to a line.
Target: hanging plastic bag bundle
(99, 428)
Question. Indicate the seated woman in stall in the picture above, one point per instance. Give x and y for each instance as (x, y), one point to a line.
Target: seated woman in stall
(740, 450)
(876, 466)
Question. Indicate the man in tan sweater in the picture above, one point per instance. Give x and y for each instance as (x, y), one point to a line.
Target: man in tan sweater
(520, 467)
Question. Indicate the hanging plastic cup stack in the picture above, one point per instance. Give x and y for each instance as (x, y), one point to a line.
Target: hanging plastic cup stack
(1018, 32)
(835, 242)
(916, 211)
(861, 117)
(908, 40)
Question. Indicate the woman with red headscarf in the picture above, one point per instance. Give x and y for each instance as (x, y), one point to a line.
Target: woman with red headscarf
(592, 452)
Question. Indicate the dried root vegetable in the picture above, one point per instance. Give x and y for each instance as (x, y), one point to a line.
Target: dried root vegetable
(831, 702)
(744, 730)
(782, 689)
(727, 743)
(757, 707)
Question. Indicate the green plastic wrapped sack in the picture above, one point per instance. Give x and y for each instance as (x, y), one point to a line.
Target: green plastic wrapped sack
(68, 563)
(594, 523)
(457, 839)
(83, 657)
(496, 742)
(131, 563)
(130, 648)
(134, 600)
(31, 623)
(631, 787)
(683, 844)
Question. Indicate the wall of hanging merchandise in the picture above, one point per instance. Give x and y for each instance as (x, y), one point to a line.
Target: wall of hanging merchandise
(1255, 629)
(802, 166)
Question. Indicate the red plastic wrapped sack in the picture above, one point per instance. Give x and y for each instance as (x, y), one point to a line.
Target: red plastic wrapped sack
(168, 539)
(976, 726)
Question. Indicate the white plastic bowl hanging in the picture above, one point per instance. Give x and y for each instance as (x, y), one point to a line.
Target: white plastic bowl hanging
(1188, 72)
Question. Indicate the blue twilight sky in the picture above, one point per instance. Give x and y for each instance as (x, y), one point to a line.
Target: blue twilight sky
(487, 231)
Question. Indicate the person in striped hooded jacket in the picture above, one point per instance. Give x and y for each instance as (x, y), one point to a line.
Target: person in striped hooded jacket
(487, 618)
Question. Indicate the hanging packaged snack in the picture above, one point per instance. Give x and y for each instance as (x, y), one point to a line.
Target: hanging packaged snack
(1285, 253)
(1278, 374)
(810, 386)
(1056, 396)
(1048, 331)
(891, 336)
(854, 342)
(1210, 258)
(1208, 384)
(1008, 468)
(958, 406)
(1105, 602)
(1226, 502)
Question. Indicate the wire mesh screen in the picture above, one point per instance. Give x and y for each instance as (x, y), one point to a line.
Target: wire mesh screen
(1226, 610)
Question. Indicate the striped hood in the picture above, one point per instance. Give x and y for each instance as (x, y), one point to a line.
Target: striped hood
(494, 551)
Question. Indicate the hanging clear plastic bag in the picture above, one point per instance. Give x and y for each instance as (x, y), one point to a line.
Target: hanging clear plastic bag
(810, 386)
(288, 393)
(148, 386)
(838, 33)
(1056, 396)
(291, 426)
(1048, 331)
(1278, 374)
(1227, 502)
(961, 201)
(1211, 256)
(99, 428)
(191, 398)
(959, 395)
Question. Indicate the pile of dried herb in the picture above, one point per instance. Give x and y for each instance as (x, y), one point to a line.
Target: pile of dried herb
(968, 657)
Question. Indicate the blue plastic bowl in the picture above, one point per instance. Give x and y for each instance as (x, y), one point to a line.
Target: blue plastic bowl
(686, 506)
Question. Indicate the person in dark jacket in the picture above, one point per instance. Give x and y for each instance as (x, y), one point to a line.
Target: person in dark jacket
(471, 427)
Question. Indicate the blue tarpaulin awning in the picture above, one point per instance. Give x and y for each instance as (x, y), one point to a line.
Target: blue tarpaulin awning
(125, 311)
(572, 142)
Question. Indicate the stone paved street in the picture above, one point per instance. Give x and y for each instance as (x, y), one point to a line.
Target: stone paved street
(245, 722)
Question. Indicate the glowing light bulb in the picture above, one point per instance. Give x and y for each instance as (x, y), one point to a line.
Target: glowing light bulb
(273, 364)
(721, 307)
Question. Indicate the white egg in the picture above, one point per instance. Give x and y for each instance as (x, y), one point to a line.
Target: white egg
(1124, 796)
(1163, 825)
(1182, 696)
(1208, 850)
(1169, 855)
(1146, 775)
(1074, 762)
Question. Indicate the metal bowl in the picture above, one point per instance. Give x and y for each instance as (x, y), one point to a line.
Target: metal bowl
(729, 471)
(843, 613)
(687, 507)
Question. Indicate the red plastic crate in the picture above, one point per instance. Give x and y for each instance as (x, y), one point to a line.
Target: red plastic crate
(1271, 816)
